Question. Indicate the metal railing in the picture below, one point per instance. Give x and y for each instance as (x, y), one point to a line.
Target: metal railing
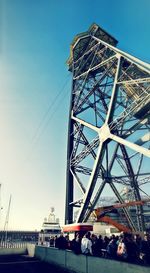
(4, 244)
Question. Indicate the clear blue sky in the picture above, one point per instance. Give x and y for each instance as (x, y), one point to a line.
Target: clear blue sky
(35, 36)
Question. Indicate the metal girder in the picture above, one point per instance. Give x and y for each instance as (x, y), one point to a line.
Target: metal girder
(134, 185)
(91, 184)
(126, 212)
(131, 145)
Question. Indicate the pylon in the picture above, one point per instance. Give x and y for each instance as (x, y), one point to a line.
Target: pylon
(108, 136)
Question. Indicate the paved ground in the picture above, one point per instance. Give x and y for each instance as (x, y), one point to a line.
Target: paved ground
(25, 264)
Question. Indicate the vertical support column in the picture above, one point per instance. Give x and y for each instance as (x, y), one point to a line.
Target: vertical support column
(69, 176)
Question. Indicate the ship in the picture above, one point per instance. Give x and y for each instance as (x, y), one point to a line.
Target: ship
(50, 229)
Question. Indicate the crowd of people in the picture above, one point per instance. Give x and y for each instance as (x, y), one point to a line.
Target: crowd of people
(126, 247)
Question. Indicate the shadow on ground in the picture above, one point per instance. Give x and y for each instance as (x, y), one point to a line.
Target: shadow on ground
(26, 264)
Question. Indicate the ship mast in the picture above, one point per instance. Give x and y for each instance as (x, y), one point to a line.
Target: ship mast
(0, 202)
(7, 219)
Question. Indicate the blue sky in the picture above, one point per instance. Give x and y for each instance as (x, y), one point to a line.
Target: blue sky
(35, 87)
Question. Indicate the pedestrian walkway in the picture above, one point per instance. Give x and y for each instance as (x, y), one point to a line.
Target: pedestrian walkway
(25, 264)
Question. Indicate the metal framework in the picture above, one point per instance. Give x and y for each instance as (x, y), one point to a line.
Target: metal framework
(109, 126)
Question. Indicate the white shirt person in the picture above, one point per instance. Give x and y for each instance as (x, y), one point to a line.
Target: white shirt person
(86, 244)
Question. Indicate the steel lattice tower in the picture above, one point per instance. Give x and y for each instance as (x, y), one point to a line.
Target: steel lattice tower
(109, 126)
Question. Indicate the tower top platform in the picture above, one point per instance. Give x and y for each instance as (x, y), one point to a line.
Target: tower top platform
(81, 41)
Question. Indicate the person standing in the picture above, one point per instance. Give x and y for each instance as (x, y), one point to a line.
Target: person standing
(76, 244)
(86, 244)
